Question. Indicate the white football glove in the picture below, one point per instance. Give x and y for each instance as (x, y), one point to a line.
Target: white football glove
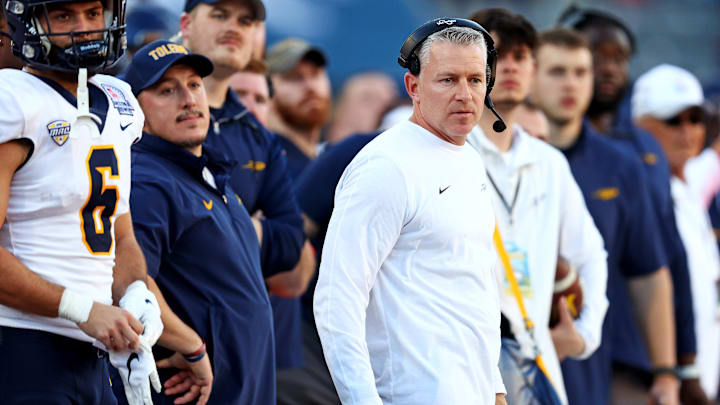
(143, 305)
(137, 370)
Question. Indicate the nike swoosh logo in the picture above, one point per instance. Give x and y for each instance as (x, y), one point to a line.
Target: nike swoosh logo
(133, 356)
(442, 190)
(124, 127)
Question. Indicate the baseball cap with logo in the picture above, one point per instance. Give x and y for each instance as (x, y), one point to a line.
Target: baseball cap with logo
(150, 63)
(257, 6)
(284, 55)
(665, 91)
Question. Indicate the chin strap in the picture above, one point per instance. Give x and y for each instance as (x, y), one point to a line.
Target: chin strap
(85, 121)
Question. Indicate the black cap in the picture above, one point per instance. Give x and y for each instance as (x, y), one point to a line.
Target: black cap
(150, 63)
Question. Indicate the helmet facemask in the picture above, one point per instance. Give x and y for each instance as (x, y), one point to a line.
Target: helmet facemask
(34, 46)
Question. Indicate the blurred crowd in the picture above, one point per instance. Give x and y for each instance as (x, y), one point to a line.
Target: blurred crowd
(644, 154)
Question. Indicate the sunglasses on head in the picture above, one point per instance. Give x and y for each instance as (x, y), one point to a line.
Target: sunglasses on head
(693, 117)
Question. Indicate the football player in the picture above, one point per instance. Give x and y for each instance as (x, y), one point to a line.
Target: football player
(67, 248)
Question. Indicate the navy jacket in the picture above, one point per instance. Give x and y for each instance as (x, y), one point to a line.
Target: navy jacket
(261, 180)
(202, 250)
(618, 198)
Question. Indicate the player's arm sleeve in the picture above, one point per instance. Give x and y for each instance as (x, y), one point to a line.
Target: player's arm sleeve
(151, 214)
(582, 245)
(366, 222)
(642, 248)
(140, 120)
(283, 233)
(133, 135)
(12, 119)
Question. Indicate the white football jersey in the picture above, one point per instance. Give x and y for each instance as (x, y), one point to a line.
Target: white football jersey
(64, 200)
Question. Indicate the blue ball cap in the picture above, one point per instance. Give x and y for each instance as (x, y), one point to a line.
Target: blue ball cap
(150, 63)
(257, 6)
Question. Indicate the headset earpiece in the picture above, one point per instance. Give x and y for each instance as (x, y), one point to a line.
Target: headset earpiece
(414, 66)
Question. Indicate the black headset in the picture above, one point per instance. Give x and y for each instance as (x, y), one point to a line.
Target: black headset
(410, 60)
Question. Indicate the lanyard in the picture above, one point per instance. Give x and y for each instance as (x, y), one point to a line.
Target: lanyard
(511, 206)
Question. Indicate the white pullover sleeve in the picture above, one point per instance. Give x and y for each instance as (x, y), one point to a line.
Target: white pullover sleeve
(498, 382)
(582, 245)
(369, 213)
(703, 175)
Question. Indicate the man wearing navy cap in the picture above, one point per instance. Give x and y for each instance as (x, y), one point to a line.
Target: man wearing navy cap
(198, 241)
(224, 31)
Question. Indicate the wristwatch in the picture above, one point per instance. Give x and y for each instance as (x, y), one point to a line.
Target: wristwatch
(673, 371)
(687, 372)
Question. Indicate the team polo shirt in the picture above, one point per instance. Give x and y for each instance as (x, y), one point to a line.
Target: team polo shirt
(625, 333)
(202, 250)
(261, 180)
(287, 312)
(618, 199)
(316, 193)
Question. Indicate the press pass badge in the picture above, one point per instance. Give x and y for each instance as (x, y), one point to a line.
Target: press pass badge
(519, 263)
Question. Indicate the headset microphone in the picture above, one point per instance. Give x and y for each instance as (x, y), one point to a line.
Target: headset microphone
(499, 125)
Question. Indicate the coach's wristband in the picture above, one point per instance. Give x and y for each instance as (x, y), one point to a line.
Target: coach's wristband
(75, 307)
(197, 355)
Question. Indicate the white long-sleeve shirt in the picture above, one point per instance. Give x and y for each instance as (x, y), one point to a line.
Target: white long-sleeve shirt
(406, 302)
(702, 174)
(549, 218)
(697, 235)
